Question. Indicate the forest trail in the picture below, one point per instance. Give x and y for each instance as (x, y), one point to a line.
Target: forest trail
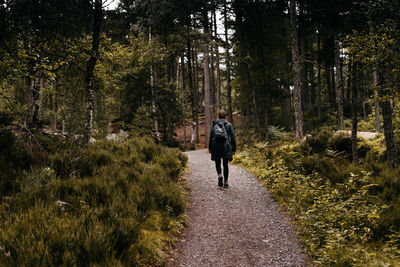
(237, 226)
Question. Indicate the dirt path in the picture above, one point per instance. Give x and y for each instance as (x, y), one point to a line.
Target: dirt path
(237, 226)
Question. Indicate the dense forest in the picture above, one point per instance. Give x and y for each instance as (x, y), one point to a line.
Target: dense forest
(292, 72)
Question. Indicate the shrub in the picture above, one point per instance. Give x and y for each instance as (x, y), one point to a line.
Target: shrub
(116, 204)
(341, 143)
(14, 159)
(346, 214)
(318, 143)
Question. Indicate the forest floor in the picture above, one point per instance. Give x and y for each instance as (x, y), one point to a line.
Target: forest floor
(237, 226)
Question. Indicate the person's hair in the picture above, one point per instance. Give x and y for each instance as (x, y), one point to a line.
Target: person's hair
(221, 114)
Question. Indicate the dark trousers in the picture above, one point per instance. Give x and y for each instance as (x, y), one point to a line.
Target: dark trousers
(218, 166)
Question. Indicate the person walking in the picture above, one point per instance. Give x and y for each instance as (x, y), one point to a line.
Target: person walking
(222, 146)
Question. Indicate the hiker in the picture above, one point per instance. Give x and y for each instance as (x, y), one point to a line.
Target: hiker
(222, 145)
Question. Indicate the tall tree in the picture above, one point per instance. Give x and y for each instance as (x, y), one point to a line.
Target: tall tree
(339, 86)
(355, 83)
(296, 72)
(217, 67)
(153, 95)
(228, 64)
(193, 90)
(388, 129)
(208, 109)
(94, 55)
(376, 101)
(181, 82)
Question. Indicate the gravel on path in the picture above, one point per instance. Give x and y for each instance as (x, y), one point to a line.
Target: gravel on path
(237, 226)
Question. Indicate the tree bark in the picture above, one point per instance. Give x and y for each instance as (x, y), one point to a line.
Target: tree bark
(195, 125)
(53, 112)
(91, 64)
(153, 97)
(211, 61)
(311, 72)
(387, 115)
(228, 65)
(35, 104)
(209, 112)
(339, 86)
(195, 112)
(39, 98)
(287, 114)
(376, 102)
(319, 102)
(296, 72)
(218, 85)
(354, 107)
(181, 83)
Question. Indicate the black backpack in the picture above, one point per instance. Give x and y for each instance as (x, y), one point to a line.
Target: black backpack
(220, 134)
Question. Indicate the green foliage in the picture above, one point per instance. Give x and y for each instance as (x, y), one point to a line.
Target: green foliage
(341, 143)
(318, 143)
(14, 159)
(275, 132)
(346, 214)
(112, 204)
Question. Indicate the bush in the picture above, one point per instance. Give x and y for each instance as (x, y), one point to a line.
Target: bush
(318, 143)
(346, 214)
(14, 159)
(341, 143)
(116, 204)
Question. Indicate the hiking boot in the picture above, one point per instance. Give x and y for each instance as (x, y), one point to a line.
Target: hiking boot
(226, 183)
(220, 184)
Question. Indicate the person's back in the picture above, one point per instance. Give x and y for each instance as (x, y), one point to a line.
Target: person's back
(222, 145)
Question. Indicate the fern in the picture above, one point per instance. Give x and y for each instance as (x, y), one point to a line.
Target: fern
(276, 132)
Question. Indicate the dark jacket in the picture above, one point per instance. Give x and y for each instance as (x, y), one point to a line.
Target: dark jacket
(222, 150)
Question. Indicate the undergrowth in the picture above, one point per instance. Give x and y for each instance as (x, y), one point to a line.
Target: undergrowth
(112, 204)
(347, 215)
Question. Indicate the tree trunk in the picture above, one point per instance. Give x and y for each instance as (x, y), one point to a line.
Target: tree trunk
(181, 83)
(287, 115)
(53, 111)
(195, 112)
(254, 105)
(331, 95)
(339, 86)
(319, 102)
(354, 107)
(64, 102)
(296, 72)
(387, 115)
(218, 85)
(376, 102)
(212, 69)
(348, 91)
(94, 54)
(228, 65)
(53, 108)
(311, 73)
(35, 104)
(209, 112)
(39, 99)
(196, 91)
(153, 97)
